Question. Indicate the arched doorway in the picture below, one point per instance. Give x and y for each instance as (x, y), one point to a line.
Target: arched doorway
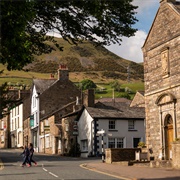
(168, 132)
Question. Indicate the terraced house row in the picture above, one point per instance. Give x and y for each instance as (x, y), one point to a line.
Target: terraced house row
(56, 116)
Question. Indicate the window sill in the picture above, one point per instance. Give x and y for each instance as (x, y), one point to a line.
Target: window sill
(132, 130)
(113, 130)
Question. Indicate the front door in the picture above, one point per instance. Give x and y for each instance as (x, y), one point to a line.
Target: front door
(168, 137)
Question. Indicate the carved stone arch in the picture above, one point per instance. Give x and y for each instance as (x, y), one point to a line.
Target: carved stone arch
(168, 120)
(165, 98)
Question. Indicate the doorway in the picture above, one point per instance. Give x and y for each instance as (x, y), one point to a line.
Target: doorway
(136, 142)
(168, 130)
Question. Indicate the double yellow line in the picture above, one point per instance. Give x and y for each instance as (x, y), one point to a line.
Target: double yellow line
(1, 165)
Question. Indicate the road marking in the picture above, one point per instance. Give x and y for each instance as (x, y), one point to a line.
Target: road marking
(93, 169)
(53, 174)
(45, 169)
(49, 172)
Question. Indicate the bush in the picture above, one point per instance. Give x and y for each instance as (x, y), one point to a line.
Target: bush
(75, 150)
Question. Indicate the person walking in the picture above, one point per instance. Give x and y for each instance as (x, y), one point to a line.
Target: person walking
(31, 150)
(26, 154)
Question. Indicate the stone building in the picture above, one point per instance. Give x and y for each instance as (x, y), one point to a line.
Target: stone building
(138, 100)
(161, 52)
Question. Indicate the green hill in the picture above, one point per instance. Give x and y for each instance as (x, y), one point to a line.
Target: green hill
(84, 61)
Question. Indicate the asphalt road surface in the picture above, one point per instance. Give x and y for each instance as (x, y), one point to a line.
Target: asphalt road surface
(49, 167)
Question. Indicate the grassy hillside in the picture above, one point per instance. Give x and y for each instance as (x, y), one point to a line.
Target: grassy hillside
(84, 61)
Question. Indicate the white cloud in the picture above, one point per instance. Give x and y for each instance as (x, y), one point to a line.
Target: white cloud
(131, 47)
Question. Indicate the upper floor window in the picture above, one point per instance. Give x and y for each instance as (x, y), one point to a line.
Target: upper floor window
(112, 124)
(131, 125)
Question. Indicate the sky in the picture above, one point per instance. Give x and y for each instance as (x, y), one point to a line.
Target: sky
(131, 47)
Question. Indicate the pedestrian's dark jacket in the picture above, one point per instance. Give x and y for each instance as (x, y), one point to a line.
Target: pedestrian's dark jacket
(31, 150)
(26, 152)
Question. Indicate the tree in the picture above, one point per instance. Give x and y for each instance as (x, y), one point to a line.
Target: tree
(87, 84)
(24, 26)
(115, 85)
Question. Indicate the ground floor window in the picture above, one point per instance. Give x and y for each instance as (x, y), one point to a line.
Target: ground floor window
(84, 145)
(115, 142)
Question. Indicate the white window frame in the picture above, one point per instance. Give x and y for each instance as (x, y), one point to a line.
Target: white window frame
(112, 124)
(116, 142)
(131, 124)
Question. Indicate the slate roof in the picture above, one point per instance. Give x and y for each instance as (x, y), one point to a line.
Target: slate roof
(116, 111)
(115, 100)
(43, 84)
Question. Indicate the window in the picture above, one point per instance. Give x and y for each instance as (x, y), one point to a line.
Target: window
(120, 142)
(112, 125)
(131, 125)
(111, 143)
(18, 125)
(115, 142)
(84, 145)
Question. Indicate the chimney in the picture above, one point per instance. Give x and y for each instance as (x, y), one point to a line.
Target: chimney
(63, 73)
(89, 98)
(52, 76)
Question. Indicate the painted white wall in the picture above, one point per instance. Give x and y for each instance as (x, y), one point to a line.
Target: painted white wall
(35, 107)
(16, 124)
(85, 131)
(35, 112)
(122, 132)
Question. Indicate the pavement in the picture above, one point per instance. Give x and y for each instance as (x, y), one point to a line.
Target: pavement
(125, 172)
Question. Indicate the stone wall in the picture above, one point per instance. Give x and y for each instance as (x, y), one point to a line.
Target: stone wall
(176, 154)
(162, 78)
(120, 154)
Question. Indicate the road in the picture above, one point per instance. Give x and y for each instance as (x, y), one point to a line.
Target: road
(49, 167)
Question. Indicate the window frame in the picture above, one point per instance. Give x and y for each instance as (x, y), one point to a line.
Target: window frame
(131, 125)
(112, 125)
